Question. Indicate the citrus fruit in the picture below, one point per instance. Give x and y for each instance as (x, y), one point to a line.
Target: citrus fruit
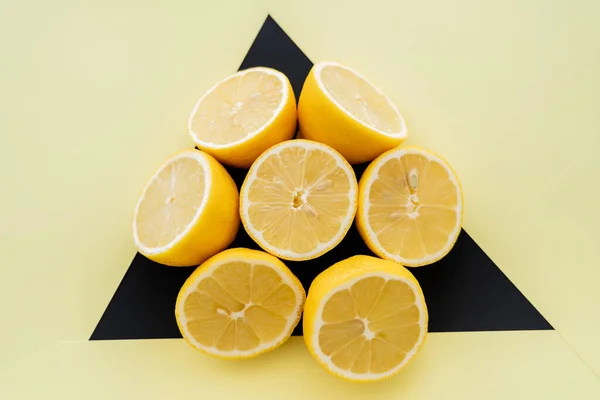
(187, 212)
(239, 303)
(298, 199)
(365, 318)
(341, 108)
(243, 115)
(410, 206)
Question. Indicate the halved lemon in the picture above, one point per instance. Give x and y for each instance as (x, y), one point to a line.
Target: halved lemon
(341, 108)
(298, 199)
(365, 318)
(243, 115)
(187, 212)
(239, 304)
(410, 206)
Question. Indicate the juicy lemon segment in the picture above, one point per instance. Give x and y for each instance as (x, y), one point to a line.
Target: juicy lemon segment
(359, 98)
(243, 115)
(237, 107)
(159, 219)
(410, 206)
(341, 108)
(365, 318)
(239, 304)
(188, 198)
(299, 199)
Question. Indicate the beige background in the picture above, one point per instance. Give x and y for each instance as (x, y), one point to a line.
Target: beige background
(93, 95)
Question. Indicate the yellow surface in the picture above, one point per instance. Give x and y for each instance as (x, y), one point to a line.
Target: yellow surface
(93, 94)
(478, 366)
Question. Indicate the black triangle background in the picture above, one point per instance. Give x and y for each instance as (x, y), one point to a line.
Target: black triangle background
(465, 291)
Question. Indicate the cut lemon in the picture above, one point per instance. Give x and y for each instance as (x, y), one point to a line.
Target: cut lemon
(298, 199)
(187, 212)
(365, 318)
(243, 115)
(341, 108)
(410, 206)
(239, 304)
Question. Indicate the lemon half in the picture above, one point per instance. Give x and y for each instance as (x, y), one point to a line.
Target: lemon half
(243, 115)
(341, 108)
(410, 206)
(187, 212)
(299, 199)
(239, 304)
(365, 318)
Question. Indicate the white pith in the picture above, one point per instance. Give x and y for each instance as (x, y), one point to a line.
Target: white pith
(319, 67)
(193, 154)
(458, 209)
(419, 302)
(291, 319)
(285, 95)
(345, 223)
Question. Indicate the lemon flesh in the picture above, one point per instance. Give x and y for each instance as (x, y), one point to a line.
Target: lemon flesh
(190, 197)
(299, 199)
(341, 108)
(365, 318)
(243, 115)
(171, 202)
(237, 107)
(410, 207)
(361, 99)
(239, 304)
